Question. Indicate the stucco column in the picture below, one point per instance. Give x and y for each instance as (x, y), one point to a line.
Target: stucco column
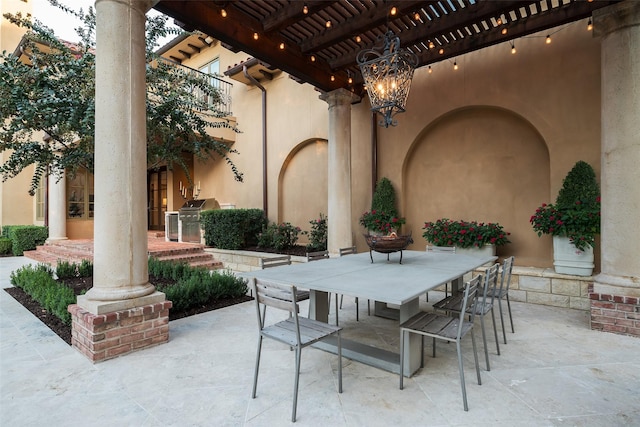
(120, 272)
(618, 26)
(57, 208)
(339, 233)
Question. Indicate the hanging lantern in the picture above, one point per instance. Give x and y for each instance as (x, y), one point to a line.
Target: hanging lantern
(387, 74)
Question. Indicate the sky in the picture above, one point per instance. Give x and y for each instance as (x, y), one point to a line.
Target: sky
(63, 24)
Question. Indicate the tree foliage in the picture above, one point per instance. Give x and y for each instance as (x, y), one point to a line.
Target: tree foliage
(54, 94)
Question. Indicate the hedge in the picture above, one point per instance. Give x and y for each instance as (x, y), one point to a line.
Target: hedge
(25, 237)
(232, 228)
(5, 245)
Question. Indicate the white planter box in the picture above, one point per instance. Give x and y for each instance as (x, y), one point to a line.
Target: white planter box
(484, 251)
(567, 259)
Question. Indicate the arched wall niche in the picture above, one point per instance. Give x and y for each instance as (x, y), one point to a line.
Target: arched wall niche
(480, 163)
(302, 184)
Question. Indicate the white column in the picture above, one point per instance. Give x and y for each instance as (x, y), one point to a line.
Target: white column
(339, 234)
(57, 208)
(120, 272)
(618, 26)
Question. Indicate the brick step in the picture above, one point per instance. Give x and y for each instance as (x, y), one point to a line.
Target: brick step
(196, 249)
(64, 252)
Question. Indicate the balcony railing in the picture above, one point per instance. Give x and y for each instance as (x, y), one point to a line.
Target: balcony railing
(222, 104)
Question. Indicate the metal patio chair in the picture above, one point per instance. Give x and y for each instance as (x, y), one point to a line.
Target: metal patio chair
(348, 251)
(441, 249)
(453, 304)
(296, 332)
(503, 293)
(450, 329)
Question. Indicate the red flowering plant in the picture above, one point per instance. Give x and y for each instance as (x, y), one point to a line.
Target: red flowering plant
(464, 234)
(382, 222)
(580, 223)
(576, 213)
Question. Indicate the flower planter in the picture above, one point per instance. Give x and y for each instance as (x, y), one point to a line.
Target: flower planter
(481, 252)
(567, 259)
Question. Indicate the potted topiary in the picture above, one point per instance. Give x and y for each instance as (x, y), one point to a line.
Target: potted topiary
(383, 223)
(383, 217)
(573, 221)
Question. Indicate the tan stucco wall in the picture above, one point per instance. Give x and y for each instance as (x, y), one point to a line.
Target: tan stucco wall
(17, 207)
(488, 142)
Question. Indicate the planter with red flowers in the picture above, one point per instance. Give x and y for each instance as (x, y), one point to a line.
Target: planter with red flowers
(471, 237)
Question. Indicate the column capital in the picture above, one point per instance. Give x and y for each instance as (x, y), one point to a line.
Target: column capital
(616, 17)
(339, 97)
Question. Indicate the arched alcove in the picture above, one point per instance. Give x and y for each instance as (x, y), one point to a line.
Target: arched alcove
(480, 163)
(302, 184)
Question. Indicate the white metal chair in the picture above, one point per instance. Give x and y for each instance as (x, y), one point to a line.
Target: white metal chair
(503, 292)
(348, 251)
(446, 250)
(296, 332)
(438, 326)
(453, 304)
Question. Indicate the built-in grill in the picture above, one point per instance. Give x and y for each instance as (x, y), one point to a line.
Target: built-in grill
(189, 221)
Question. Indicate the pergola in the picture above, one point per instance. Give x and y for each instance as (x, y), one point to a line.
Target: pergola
(314, 41)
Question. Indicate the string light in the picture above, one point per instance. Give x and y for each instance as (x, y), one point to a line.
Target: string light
(430, 70)
(223, 13)
(455, 65)
(313, 58)
(255, 36)
(548, 41)
(333, 78)
(499, 21)
(513, 48)
(394, 11)
(358, 39)
(431, 45)
(504, 31)
(589, 25)
(350, 80)
(441, 51)
(305, 9)
(416, 16)
(328, 24)
(282, 46)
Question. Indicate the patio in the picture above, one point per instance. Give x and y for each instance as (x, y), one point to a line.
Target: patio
(553, 371)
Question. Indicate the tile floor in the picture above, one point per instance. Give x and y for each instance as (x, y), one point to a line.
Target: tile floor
(554, 371)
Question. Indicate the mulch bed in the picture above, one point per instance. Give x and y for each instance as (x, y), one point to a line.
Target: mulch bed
(84, 284)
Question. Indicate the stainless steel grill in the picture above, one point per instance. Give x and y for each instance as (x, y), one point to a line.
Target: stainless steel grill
(189, 220)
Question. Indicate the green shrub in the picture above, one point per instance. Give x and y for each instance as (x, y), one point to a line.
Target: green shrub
(279, 236)
(25, 237)
(318, 234)
(39, 283)
(85, 268)
(232, 228)
(66, 270)
(5, 245)
(384, 198)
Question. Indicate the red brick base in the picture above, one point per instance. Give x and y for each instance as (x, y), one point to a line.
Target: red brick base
(617, 314)
(105, 336)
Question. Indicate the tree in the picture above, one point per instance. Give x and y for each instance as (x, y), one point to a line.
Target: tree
(55, 93)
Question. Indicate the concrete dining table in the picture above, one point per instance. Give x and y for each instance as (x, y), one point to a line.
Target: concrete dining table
(385, 281)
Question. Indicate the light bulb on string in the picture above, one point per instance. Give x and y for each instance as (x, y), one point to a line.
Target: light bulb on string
(589, 25)
(430, 69)
(305, 9)
(455, 65)
(223, 13)
(548, 40)
(513, 48)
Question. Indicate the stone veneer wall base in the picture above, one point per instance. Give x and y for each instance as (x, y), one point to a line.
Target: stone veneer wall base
(106, 336)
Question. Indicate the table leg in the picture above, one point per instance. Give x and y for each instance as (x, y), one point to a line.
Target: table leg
(413, 342)
(319, 306)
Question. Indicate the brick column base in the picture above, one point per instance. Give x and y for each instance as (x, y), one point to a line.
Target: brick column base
(617, 314)
(105, 336)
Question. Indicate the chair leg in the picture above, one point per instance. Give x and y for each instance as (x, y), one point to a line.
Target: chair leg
(295, 386)
(341, 298)
(426, 294)
(504, 332)
(255, 374)
(510, 318)
(357, 310)
(495, 331)
(461, 369)
(433, 344)
(484, 341)
(336, 309)
(339, 358)
(401, 358)
(368, 308)
(475, 358)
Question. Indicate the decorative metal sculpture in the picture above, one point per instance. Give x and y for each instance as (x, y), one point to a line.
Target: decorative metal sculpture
(387, 77)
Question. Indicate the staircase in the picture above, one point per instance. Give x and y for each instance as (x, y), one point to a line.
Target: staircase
(74, 251)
